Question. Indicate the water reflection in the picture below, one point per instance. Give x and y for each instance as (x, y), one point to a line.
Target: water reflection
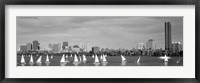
(62, 64)
(31, 64)
(23, 64)
(96, 64)
(47, 64)
(104, 64)
(84, 62)
(138, 64)
(123, 63)
(75, 64)
(38, 64)
(165, 63)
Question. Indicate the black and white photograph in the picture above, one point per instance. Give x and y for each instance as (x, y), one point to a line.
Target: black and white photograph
(99, 41)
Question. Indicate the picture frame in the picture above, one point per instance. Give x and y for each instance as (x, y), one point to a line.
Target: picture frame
(102, 2)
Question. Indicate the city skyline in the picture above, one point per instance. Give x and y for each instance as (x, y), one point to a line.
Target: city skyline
(105, 32)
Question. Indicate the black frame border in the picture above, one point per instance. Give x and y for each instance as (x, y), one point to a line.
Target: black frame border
(100, 2)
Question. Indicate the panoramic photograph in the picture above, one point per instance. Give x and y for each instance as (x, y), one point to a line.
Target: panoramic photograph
(99, 41)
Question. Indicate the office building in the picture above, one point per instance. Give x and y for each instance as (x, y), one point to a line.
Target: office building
(168, 40)
(23, 48)
(140, 46)
(177, 47)
(95, 49)
(64, 45)
(56, 47)
(36, 45)
(87, 47)
(29, 46)
(151, 45)
(50, 46)
(75, 46)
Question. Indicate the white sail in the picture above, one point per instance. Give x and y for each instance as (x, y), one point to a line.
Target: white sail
(84, 58)
(31, 59)
(71, 55)
(66, 59)
(166, 60)
(80, 58)
(92, 56)
(51, 56)
(75, 59)
(22, 59)
(39, 59)
(96, 59)
(138, 60)
(105, 55)
(47, 58)
(123, 58)
(101, 57)
(62, 59)
(104, 59)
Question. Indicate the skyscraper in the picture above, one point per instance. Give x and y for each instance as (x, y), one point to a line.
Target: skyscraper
(23, 48)
(140, 46)
(168, 39)
(177, 47)
(56, 47)
(151, 45)
(95, 49)
(36, 45)
(50, 46)
(65, 44)
(29, 46)
(87, 48)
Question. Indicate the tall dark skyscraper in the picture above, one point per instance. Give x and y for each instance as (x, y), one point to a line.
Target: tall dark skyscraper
(168, 38)
(64, 45)
(36, 45)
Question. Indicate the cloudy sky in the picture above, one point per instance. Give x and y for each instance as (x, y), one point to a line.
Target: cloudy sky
(104, 31)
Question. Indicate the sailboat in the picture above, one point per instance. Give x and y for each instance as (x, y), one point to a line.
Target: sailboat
(47, 59)
(23, 60)
(39, 61)
(123, 59)
(178, 61)
(92, 56)
(104, 61)
(165, 58)
(101, 57)
(96, 61)
(75, 59)
(31, 60)
(105, 55)
(62, 59)
(71, 55)
(138, 60)
(84, 58)
(51, 56)
(80, 60)
(66, 59)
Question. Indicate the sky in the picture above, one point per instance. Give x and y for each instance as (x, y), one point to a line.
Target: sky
(112, 32)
